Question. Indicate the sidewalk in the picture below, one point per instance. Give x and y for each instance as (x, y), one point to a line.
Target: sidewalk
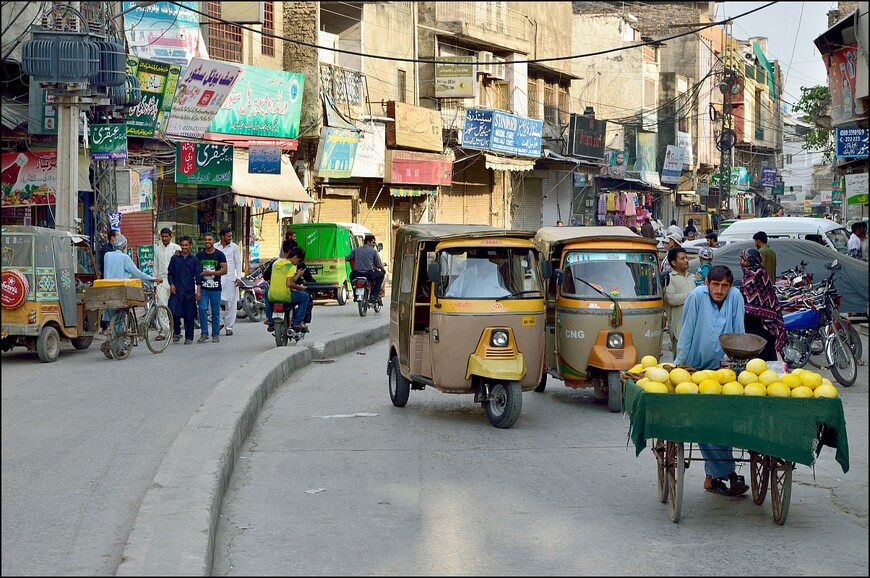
(174, 530)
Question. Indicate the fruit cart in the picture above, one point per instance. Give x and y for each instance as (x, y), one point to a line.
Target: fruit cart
(775, 432)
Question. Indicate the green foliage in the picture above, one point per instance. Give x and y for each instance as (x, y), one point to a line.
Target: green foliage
(815, 103)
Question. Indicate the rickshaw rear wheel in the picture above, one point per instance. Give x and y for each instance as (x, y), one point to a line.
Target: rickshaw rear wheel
(400, 387)
(48, 344)
(504, 403)
(83, 342)
(542, 385)
(758, 468)
(614, 392)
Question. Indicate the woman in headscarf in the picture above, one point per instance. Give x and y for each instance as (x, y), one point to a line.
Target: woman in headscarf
(763, 311)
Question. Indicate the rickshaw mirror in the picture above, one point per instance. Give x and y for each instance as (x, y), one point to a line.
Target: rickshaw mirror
(546, 269)
(433, 271)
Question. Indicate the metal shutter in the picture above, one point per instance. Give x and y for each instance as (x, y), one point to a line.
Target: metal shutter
(469, 198)
(557, 187)
(526, 203)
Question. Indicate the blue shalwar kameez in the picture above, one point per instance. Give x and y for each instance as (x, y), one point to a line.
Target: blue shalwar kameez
(185, 273)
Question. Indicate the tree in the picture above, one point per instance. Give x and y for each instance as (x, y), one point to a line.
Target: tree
(815, 103)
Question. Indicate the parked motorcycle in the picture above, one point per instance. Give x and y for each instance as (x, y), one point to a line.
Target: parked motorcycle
(362, 288)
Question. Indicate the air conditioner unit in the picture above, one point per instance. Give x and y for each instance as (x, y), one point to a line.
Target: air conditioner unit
(485, 62)
(498, 68)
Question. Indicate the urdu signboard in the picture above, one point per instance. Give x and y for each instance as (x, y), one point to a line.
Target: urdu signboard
(502, 132)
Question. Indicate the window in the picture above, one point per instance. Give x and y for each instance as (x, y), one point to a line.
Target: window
(564, 107)
(789, 159)
(501, 95)
(534, 99)
(756, 117)
(551, 106)
(622, 275)
(267, 47)
(224, 40)
(489, 274)
(401, 85)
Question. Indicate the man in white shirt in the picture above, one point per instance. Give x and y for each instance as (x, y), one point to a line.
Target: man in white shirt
(163, 253)
(857, 241)
(675, 230)
(231, 281)
(479, 279)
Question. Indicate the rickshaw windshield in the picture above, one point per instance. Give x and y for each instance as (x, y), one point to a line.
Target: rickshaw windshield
(625, 275)
(491, 273)
(18, 251)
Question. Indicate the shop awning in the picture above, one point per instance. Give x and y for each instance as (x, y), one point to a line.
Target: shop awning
(413, 191)
(284, 187)
(498, 163)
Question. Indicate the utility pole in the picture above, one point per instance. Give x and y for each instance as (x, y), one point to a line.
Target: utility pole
(727, 137)
(67, 201)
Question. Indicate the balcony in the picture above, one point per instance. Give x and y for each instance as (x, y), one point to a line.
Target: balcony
(489, 22)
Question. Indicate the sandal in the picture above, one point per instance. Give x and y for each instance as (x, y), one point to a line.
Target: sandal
(716, 486)
(738, 486)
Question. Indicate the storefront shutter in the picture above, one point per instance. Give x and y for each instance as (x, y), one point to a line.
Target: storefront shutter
(469, 199)
(334, 209)
(558, 187)
(526, 203)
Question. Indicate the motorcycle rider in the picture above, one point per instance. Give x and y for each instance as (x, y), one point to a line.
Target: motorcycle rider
(285, 288)
(367, 263)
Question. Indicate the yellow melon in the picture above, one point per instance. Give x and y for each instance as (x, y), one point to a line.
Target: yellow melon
(636, 369)
(756, 366)
(725, 375)
(791, 380)
(755, 389)
(767, 377)
(655, 387)
(710, 387)
(679, 375)
(825, 390)
(657, 374)
(811, 379)
(777, 389)
(701, 375)
(686, 387)
(648, 361)
(732, 388)
(747, 377)
(802, 391)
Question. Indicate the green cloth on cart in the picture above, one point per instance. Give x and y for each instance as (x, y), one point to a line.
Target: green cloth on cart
(793, 429)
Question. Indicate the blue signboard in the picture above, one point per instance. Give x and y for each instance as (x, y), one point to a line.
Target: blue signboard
(852, 142)
(335, 153)
(768, 176)
(502, 132)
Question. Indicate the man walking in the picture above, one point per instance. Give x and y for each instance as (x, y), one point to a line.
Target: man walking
(184, 274)
(367, 263)
(768, 256)
(231, 281)
(163, 253)
(680, 284)
(214, 266)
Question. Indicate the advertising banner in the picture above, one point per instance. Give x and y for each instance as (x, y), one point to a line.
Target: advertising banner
(265, 160)
(29, 178)
(203, 164)
(41, 112)
(673, 166)
(852, 142)
(108, 142)
(413, 168)
(263, 102)
(201, 92)
(415, 127)
(768, 176)
(684, 141)
(586, 137)
(335, 153)
(145, 255)
(455, 77)
(615, 163)
(370, 151)
(164, 31)
(502, 132)
(143, 119)
(857, 191)
(841, 80)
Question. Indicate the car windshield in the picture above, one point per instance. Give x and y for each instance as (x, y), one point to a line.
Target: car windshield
(840, 239)
(625, 275)
(491, 273)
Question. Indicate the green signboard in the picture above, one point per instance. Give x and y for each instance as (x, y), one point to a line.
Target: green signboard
(263, 103)
(108, 142)
(154, 79)
(203, 164)
(146, 259)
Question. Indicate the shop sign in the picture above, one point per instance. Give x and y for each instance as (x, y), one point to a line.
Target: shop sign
(684, 141)
(114, 220)
(739, 179)
(414, 127)
(455, 77)
(145, 254)
(586, 137)
(201, 92)
(29, 178)
(335, 153)
(499, 131)
(808, 208)
(15, 288)
(413, 168)
(143, 119)
(768, 176)
(108, 142)
(852, 142)
(673, 165)
(615, 163)
(142, 188)
(841, 80)
(263, 102)
(203, 164)
(857, 189)
(166, 31)
(265, 160)
(370, 151)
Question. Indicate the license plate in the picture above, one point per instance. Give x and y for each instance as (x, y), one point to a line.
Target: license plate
(315, 268)
(360, 291)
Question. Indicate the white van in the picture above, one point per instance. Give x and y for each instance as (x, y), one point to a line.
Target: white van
(823, 231)
(358, 231)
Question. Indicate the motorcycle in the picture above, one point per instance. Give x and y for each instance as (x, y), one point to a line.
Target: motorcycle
(820, 330)
(252, 292)
(362, 295)
(796, 277)
(282, 316)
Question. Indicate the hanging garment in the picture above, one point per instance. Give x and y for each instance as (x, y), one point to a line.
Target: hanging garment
(611, 202)
(630, 207)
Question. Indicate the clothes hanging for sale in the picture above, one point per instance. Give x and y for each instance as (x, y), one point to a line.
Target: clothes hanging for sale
(611, 202)
(623, 199)
(630, 207)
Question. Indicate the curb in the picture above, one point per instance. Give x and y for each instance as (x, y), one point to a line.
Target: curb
(174, 530)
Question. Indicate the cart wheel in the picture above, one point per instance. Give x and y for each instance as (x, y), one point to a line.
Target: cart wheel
(158, 330)
(759, 469)
(675, 465)
(121, 327)
(780, 488)
(661, 472)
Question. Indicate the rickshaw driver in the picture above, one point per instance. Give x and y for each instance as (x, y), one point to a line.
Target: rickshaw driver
(480, 278)
(709, 311)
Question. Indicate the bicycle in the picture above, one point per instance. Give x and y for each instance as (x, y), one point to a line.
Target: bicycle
(126, 329)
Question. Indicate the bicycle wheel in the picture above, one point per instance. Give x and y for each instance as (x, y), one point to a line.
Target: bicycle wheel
(158, 328)
(122, 329)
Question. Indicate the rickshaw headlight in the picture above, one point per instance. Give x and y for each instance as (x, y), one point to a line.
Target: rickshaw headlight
(615, 340)
(499, 338)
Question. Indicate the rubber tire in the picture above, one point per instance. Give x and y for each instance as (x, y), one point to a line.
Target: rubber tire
(376, 306)
(82, 342)
(760, 473)
(341, 294)
(240, 309)
(780, 488)
(126, 339)
(855, 342)
(676, 473)
(614, 392)
(843, 364)
(505, 404)
(400, 387)
(159, 321)
(48, 344)
(363, 306)
(542, 385)
(280, 334)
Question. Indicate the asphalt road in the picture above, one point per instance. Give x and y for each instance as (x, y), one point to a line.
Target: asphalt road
(84, 436)
(334, 480)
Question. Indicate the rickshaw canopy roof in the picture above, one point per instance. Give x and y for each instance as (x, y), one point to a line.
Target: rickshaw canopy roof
(43, 232)
(548, 237)
(438, 232)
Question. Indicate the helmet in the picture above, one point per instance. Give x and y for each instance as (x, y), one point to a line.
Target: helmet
(705, 253)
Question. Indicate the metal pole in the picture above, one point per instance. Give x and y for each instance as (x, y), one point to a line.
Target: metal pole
(416, 56)
(66, 207)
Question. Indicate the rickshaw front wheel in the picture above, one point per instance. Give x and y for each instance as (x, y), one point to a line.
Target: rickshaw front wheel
(48, 344)
(614, 392)
(504, 403)
(400, 387)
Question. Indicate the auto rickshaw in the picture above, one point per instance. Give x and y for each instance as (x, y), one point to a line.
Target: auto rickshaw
(45, 272)
(467, 316)
(605, 308)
